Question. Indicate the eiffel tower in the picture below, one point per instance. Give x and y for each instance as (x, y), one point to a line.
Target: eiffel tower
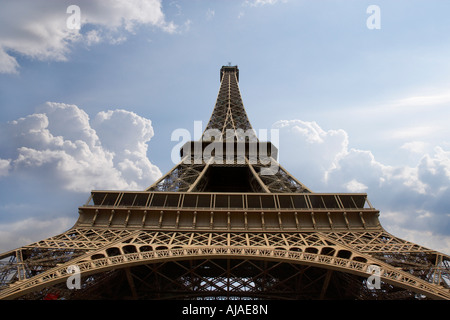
(227, 222)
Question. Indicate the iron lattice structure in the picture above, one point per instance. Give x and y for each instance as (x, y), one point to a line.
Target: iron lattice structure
(224, 229)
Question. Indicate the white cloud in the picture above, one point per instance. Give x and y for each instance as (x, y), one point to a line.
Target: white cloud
(8, 64)
(306, 146)
(92, 37)
(355, 186)
(51, 158)
(4, 167)
(418, 195)
(59, 145)
(415, 146)
(434, 171)
(24, 232)
(126, 135)
(38, 29)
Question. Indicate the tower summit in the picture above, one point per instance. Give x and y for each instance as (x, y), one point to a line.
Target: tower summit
(229, 156)
(227, 221)
(229, 112)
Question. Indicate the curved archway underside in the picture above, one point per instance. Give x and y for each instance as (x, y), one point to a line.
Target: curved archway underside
(148, 264)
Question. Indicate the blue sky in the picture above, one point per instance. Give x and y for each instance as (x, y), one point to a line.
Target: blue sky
(359, 109)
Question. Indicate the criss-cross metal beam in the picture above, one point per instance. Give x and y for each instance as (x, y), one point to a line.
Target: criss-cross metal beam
(262, 232)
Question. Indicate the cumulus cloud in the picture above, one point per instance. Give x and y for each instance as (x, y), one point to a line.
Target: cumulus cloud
(60, 145)
(410, 198)
(116, 129)
(314, 151)
(50, 160)
(355, 186)
(38, 28)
